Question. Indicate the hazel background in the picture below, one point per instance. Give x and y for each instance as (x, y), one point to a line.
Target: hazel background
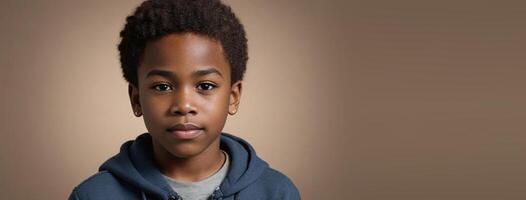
(365, 100)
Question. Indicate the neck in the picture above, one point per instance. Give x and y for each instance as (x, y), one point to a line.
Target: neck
(190, 169)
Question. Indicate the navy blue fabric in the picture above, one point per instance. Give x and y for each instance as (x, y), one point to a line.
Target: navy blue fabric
(132, 174)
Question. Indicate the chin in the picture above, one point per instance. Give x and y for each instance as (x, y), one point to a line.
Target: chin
(188, 148)
(185, 150)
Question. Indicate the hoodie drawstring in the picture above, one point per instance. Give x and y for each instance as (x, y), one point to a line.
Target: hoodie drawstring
(217, 194)
(143, 195)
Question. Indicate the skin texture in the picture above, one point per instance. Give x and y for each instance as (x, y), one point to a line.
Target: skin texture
(185, 97)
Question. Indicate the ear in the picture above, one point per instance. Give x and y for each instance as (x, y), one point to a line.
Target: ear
(235, 97)
(133, 93)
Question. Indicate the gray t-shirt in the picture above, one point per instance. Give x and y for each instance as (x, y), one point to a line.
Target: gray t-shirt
(200, 190)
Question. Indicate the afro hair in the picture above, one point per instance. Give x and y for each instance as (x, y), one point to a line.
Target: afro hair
(156, 18)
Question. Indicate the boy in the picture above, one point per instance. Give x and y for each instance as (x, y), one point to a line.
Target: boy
(184, 61)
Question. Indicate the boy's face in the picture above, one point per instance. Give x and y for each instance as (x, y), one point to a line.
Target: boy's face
(184, 79)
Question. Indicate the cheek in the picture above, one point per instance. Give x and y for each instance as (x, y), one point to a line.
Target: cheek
(216, 105)
(154, 109)
(154, 120)
(215, 111)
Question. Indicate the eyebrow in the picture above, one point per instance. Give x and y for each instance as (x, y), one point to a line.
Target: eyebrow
(171, 75)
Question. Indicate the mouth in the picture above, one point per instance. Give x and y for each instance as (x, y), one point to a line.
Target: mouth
(185, 131)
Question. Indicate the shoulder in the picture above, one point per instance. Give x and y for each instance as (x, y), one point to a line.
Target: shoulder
(99, 186)
(279, 184)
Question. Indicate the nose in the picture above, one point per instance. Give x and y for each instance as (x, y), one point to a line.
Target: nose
(183, 103)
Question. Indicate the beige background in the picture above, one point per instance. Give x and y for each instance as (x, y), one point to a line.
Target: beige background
(351, 99)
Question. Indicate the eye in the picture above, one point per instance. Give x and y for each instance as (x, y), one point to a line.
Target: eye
(162, 87)
(206, 86)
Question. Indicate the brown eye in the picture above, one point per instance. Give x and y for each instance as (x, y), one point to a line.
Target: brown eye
(206, 86)
(162, 87)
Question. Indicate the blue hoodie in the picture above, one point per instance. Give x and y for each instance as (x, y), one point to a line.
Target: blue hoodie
(132, 174)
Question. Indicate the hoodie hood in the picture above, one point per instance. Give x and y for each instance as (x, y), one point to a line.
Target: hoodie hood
(135, 165)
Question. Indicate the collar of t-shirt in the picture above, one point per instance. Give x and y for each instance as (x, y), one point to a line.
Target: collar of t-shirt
(200, 190)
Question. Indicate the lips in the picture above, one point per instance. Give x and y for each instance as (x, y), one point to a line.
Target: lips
(184, 127)
(185, 131)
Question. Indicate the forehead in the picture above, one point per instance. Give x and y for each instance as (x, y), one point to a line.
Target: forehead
(182, 54)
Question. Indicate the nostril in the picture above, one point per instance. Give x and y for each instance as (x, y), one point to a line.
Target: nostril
(184, 111)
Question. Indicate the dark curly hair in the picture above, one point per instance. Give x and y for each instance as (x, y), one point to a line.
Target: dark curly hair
(156, 18)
